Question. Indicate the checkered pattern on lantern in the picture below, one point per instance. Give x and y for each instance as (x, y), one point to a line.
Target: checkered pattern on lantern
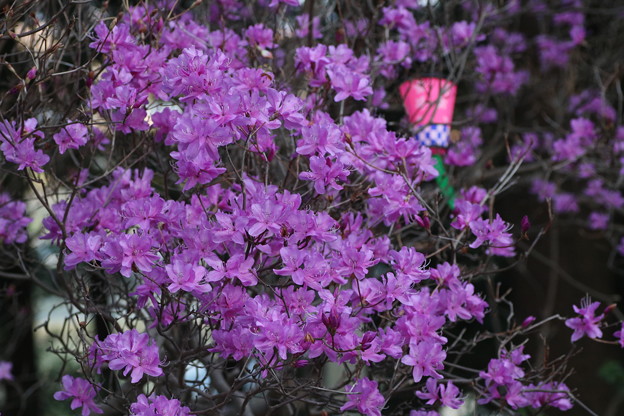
(434, 135)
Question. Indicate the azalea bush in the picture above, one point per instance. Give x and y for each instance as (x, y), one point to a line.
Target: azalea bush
(243, 221)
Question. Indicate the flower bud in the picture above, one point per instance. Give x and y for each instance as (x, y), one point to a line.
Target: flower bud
(331, 322)
(525, 224)
(300, 363)
(528, 321)
(423, 221)
(367, 340)
(32, 73)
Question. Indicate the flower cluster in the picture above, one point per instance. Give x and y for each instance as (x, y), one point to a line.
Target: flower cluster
(131, 351)
(158, 405)
(13, 220)
(81, 392)
(365, 397)
(17, 144)
(504, 380)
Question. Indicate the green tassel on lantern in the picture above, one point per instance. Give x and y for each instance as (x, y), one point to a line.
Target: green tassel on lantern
(443, 182)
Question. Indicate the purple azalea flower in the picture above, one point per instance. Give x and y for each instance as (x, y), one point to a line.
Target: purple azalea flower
(587, 324)
(275, 3)
(131, 351)
(320, 138)
(260, 36)
(495, 233)
(348, 83)
(303, 22)
(426, 358)
(558, 396)
(82, 248)
(13, 220)
(237, 267)
(365, 397)
(5, 370)
(462, 32)
(449, 395)
(279, 333)
(620, 335)
(136, 251)
(18, 146)
(158, 405)
(598, 221)
(187, 277)
(430, 392)
(81, 392)
(324, 172)
(71, 136)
